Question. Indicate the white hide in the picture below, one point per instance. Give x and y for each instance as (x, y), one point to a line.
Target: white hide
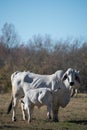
(37, 97)
(59, 81)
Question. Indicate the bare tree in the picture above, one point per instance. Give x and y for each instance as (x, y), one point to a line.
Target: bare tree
(9, 36)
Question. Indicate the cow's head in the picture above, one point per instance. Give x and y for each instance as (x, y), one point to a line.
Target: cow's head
(72, 76)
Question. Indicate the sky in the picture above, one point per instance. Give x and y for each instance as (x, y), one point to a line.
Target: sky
(59, 19)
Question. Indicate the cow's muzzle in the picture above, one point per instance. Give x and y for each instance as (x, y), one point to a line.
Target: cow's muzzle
(71, 83)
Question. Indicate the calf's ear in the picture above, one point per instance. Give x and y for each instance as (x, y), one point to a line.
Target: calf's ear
(64, 77)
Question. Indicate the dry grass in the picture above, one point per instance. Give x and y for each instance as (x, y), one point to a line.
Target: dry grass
(73, 117)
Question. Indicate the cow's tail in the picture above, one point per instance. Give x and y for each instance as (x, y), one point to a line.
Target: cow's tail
(10, 105)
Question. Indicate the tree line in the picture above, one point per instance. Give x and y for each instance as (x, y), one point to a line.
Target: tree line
(40, 54)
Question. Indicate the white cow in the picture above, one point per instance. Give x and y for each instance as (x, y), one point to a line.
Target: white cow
(63, 82)
(37, 97)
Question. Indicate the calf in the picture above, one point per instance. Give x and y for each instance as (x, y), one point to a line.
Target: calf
(37, 97)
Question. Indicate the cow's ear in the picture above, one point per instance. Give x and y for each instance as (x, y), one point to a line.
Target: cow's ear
(64, 77)
(77, 78)
(22, 101)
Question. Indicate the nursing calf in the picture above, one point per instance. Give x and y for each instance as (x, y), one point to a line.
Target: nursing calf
(37, 97)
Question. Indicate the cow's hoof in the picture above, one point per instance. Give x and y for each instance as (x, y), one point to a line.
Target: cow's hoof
(14, 119)
(55, 120)
(49, 117)
(25, 118)
(29, 121)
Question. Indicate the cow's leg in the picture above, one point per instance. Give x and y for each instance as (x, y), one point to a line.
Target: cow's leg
(55, 110)
(76, 92)
(15, 101)
(29, 114)
(49, 112)
(32, 109)
(55, 114)
(23, 112)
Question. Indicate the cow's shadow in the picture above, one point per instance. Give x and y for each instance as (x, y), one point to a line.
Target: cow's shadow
(8, 126)
(84, 122)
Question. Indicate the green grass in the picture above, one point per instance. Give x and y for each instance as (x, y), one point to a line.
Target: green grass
(73, 117)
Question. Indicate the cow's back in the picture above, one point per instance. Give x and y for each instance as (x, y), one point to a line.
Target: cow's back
(17, 81)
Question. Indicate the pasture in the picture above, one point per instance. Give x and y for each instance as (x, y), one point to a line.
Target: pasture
(72, 117)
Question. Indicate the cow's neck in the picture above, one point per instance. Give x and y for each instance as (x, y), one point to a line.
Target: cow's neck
(67, 87)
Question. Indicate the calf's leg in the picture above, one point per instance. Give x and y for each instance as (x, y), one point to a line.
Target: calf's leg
(23, 112)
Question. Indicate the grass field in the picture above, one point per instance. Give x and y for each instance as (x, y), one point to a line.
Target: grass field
(73, 117)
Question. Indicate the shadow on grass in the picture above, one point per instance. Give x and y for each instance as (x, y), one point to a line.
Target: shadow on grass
(84, 122)
(8, 126)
